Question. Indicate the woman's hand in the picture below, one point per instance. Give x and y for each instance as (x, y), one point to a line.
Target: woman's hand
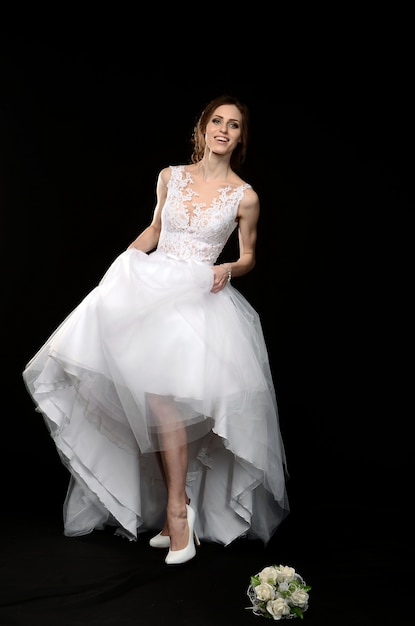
(222, 275)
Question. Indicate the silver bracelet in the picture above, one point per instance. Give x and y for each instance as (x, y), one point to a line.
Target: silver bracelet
(229, 275)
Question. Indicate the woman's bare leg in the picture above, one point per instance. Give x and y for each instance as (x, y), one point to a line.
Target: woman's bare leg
(174, 464)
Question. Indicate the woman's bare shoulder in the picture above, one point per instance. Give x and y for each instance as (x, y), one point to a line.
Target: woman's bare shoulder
(250, 195)
(165, 174)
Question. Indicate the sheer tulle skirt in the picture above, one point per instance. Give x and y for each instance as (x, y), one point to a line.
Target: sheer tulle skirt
(152, 332)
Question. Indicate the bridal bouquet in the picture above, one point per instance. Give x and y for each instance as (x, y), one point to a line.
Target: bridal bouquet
(278, 592)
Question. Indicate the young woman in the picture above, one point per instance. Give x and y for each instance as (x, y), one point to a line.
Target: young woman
(157, 387)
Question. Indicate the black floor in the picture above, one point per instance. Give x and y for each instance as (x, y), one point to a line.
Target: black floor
(359, 566)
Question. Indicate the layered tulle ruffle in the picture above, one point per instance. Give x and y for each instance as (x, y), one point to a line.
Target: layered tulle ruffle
(153, 331)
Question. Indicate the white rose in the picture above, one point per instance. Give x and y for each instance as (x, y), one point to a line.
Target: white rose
(278, 608)
(299, 597)
(268, 575)
(265, 592)
(285, 573)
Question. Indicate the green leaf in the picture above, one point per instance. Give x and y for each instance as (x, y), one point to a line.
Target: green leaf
(297, 611)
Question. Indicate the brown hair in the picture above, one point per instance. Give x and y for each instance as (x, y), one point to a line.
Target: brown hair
(198, 137)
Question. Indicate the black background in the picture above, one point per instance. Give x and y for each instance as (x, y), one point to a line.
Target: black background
(85, 128)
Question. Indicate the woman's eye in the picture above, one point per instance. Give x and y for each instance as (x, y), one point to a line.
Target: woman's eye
(218, 121)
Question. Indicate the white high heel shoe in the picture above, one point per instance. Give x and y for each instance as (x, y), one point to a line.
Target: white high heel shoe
(176, 557)
(160, 541)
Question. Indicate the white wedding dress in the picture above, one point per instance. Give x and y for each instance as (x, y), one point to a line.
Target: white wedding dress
(152, 326)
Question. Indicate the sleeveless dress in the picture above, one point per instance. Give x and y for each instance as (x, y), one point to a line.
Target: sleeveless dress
(152, 326)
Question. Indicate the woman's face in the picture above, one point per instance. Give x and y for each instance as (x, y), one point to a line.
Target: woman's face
(223, 130)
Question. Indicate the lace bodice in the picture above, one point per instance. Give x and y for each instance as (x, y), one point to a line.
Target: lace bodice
(202, 232)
